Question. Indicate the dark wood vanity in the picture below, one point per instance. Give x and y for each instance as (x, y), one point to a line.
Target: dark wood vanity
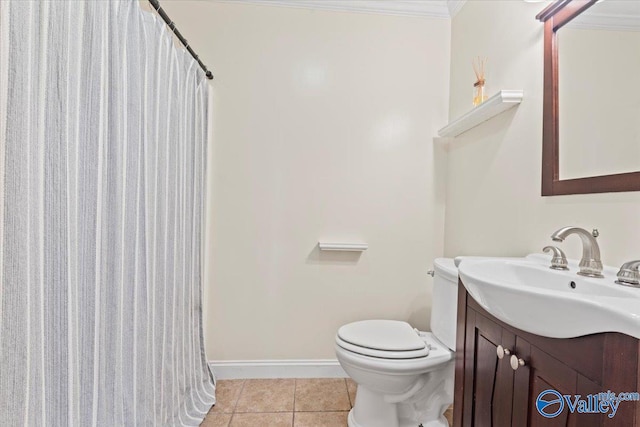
(489, 392)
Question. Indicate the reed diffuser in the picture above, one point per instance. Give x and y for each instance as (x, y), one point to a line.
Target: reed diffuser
(478, 87)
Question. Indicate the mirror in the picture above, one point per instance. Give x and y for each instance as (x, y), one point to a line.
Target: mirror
(591, 128)
(599, 91)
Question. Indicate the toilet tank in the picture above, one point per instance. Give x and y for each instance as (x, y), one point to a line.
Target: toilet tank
(444, 305)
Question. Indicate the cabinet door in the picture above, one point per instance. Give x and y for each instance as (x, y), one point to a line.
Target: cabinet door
(548, 373)
(521, 383)
(488, 379)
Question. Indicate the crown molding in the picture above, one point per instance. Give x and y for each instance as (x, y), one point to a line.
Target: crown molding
(454, 7)
(430, 8)
(593, 21)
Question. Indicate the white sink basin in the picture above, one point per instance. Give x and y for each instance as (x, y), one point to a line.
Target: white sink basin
(527, 294)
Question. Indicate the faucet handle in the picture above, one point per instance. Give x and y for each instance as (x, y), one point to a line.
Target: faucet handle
(558, 259)
(628, 275)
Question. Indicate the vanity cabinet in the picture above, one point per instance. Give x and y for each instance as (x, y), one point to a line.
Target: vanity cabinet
(494, 391)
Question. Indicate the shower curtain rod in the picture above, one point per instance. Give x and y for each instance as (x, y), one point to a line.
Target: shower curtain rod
(172, 25)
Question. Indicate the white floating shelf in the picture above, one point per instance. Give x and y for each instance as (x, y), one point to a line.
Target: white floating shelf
(493, 106)
(350, 247)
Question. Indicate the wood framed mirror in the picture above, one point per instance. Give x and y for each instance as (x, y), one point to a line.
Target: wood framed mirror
(589, 180)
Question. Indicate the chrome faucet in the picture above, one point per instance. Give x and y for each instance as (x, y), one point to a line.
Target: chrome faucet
(558, 259)
(628, 274)
(590, 264)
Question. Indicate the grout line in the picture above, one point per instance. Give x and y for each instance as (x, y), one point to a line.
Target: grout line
(293, 412)
(295, 391)
(346, 385)
(235, 406)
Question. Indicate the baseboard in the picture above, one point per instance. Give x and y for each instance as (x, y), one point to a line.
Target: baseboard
(296, 368)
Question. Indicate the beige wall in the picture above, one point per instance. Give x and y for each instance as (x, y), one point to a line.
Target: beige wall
(494, 205)
(323, 129)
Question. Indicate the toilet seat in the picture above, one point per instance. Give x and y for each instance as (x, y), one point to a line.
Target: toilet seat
(439, 355)
(385, 339)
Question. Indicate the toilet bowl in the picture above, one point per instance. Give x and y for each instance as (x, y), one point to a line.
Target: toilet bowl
(404, 376)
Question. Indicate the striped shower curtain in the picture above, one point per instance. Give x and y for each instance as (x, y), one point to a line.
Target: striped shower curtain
(103, 130)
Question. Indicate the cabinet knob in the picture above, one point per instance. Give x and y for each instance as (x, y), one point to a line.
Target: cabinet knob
(516, 362)
(501, 351)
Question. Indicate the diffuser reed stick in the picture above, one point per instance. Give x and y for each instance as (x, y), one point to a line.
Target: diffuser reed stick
(478, 65)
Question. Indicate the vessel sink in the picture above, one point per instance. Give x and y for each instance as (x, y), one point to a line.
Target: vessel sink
(527, 294)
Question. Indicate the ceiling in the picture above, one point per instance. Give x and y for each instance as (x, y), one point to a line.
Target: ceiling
(431, 8)
(609, 14)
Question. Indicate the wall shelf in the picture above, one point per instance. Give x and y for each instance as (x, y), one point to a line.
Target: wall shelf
(350, 247)
(493, 106)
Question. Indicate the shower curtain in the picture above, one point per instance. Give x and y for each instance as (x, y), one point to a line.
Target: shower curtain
(103, 131)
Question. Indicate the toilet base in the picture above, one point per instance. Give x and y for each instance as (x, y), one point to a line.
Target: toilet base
(373, 410)
(442, 422)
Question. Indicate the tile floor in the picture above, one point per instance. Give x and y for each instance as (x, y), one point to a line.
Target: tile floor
(310, 402)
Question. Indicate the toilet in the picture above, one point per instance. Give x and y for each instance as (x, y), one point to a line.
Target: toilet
(404, 376)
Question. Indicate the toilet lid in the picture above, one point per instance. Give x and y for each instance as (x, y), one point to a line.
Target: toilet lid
(383, 354)
(383, 335)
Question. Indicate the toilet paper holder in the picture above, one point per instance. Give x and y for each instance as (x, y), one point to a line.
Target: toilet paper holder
(348, 247)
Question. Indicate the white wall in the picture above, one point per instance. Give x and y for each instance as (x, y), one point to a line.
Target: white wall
(323, 129)
(494, 205)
